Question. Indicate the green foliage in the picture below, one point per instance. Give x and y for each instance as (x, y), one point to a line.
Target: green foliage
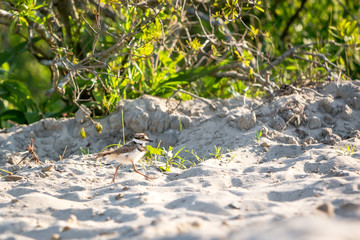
(168, 156)
(5, 171)
(121, 50)
(348, 151)
(258, 135)
(218, 152)
(199, 159)
(84, 151)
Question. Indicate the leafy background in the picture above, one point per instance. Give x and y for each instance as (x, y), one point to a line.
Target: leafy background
(99, 54)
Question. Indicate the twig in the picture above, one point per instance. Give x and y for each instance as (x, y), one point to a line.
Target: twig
(293, 50)
(317, 63)
(40, 29)
(242, 66)
(195, 96)
(61, 157)
(31, 150)
(323, 57)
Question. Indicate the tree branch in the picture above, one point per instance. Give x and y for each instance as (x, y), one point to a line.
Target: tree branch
(40, 29)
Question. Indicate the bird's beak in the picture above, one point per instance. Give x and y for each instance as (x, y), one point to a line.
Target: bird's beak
(149, 140)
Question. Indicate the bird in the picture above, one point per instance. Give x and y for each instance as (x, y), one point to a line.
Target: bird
(131, 152)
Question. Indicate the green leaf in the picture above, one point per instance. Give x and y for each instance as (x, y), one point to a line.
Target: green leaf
(10, 53)
(155, 151)
(13, 115)
(83, 133)
(178, 152)
(167, 169)
(13, 25)
(292, 68)
(259, 8)
(23, 22)
(17, 94)
(32, 117)
(185, 77)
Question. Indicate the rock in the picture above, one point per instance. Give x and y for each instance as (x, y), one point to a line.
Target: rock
(119, 196)
(327, 208)
(286, 139)
(55, 236)
(185, 122)
(47, 169)
(356, 103)
(354, 134)
(328, 119)
(115, 121)
(247, 121)
(265, 131)
(52, 124)
(223, 112)
(301, 133)
(326, 131)
(292, 111)
(314, 122)
(170, 138)
(309, 141)
(159, 121)
(235, 205)
(82, 114)
(277, 123)
(347, 113)
(332, 139)
(327, 104)
(13, 178)
(136, 119)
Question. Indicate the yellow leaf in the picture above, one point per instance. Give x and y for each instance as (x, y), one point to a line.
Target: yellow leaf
(82, 133)
(99, 128)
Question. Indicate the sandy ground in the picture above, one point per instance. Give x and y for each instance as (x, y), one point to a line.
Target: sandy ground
(300, 180)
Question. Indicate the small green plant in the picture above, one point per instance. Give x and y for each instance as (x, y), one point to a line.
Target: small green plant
(170, 158)
(231, 156)
(218, 152)
(348, 151)
(199, 159)
(85, 151)
(258, 135)
(153, 153)
(5, 172)
(167, 154)
(181, 163)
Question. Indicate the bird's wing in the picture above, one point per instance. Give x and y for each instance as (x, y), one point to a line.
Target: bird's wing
(119, 150)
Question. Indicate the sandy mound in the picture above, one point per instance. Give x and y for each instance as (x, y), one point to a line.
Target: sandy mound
(300, 180)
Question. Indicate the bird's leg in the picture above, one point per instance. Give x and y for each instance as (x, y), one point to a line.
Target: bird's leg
(117, 168)
(148, 178)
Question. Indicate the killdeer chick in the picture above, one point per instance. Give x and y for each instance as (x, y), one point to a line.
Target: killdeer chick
(129, 153)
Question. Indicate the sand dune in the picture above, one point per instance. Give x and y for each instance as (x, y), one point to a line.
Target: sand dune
(299, 181)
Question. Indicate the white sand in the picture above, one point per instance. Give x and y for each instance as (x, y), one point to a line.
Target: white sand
(295, 183)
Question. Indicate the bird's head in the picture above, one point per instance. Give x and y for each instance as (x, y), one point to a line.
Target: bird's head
(141, 138)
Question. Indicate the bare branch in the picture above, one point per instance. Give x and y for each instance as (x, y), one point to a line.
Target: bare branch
(246, 69)
(195, 96)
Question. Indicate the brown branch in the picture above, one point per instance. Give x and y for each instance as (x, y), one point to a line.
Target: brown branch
(195, 96)
(293, 50)
(31, 150)
(40, 29)
(247, 69)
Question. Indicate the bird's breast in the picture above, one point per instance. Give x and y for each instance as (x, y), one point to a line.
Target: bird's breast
(129, 157)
